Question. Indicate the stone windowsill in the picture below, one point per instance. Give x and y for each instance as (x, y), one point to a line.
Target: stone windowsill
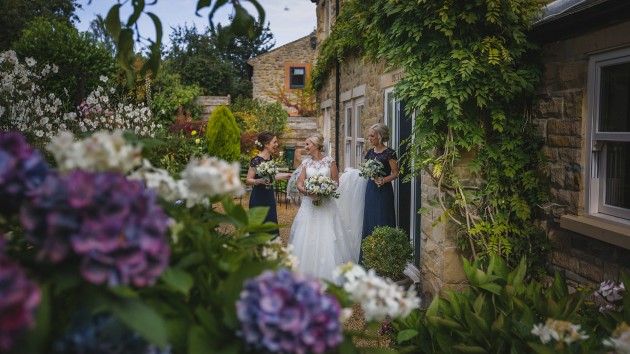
(610, 230)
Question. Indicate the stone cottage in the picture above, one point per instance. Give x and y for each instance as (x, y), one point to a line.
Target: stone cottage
(586, 48)
(584, 117)
(283, 75)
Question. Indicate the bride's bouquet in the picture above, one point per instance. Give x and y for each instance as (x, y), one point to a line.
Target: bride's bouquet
(268, 171)
(322, 187)
(371, 169)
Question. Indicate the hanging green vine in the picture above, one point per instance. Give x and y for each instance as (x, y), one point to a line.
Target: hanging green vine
(470, 73)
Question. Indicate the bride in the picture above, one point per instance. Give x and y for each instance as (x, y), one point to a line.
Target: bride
(322, 236)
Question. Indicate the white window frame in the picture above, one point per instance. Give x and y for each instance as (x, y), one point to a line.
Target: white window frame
(596, 140)
(353, 134)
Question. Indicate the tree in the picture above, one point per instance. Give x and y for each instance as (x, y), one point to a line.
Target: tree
(238, 49)
(195, 57)
(81, 60)
(223, 135)
(98, 30)
(123, 32)
(15, 14)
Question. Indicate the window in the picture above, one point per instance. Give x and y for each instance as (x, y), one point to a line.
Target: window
(298, 77)
(354, 140)
(609, 127)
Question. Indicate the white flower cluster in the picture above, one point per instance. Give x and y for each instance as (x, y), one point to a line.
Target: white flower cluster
(379, 298)
(162, 182)
(209, 176)
(267, 170)
(23, 105)
(620, 339)
(99, 112)
(274, 250)
(560, 331)
(103, 151)
(371, 169)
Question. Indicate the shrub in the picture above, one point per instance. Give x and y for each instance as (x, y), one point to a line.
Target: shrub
(387, 250)
(256, 115)
(223, 135)
(501, 312)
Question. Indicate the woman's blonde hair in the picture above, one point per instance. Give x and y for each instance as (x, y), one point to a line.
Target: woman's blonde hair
(382, 131)
(317, 140)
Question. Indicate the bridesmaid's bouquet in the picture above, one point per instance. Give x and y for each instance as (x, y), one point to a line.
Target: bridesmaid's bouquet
(322, 187)
(268, 171)
(371, 169)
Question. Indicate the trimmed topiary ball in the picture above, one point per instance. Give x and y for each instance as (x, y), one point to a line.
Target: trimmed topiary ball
(387, 250)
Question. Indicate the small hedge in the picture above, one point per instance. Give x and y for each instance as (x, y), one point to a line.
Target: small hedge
(387, 250)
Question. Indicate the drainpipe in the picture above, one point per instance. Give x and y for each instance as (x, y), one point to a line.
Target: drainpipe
(337, 93)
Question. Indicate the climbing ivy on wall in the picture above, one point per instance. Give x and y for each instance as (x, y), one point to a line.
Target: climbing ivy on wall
(470, 73)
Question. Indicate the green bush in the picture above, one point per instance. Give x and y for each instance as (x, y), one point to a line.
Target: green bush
(498, 310)
(223, 135)
(254, 115)
(387, 250)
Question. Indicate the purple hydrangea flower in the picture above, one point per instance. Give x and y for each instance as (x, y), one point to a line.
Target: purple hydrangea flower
(19, 298)
(22, 169)
(288, 313)
(114, 225)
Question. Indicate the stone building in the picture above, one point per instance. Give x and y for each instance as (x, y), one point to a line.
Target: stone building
(584, 117)
(282, 75)
(586, 47)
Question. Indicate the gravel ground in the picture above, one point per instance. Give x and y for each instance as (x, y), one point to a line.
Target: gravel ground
(286, 214)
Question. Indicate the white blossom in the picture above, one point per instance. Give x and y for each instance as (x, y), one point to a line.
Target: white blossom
(620, 339)
(209, 176)
(560, 331)
(379, 298)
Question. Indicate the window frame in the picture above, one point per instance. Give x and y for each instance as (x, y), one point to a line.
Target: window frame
(292, 75)
(596, 140)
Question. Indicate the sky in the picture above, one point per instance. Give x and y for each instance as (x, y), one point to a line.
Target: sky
(288, 19)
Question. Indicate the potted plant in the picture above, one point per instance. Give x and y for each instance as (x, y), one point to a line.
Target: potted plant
(387, 250)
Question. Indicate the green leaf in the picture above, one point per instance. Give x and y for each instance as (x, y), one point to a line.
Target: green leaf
(463, 348)
(112, 21)
(406, 335)
(258, 239)
(138, 7)
(199, 341)
(178, 279)
(257, 215)
(140, 318)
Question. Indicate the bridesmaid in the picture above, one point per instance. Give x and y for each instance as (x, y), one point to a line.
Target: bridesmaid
(379, 193)
(262, 196)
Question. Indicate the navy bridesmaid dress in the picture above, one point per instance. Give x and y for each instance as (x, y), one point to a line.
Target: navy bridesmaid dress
(379, 201)
(262, 196)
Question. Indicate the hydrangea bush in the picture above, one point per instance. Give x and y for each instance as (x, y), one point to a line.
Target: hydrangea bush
(109, 254)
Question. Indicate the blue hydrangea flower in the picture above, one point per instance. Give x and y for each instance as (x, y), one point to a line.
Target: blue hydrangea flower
(113, 224)
(22, 169)
(102, 334)
(285, 312)
(19, 298)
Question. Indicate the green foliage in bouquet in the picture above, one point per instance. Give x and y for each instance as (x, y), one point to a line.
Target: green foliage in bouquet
(387, 250)
(500, 312)
(223, 135)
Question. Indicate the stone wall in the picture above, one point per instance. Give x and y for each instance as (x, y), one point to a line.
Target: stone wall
(209, 103)
(562, 116)
(271, 69)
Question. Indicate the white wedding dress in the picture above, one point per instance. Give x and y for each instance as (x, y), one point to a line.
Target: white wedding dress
(324, 237)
